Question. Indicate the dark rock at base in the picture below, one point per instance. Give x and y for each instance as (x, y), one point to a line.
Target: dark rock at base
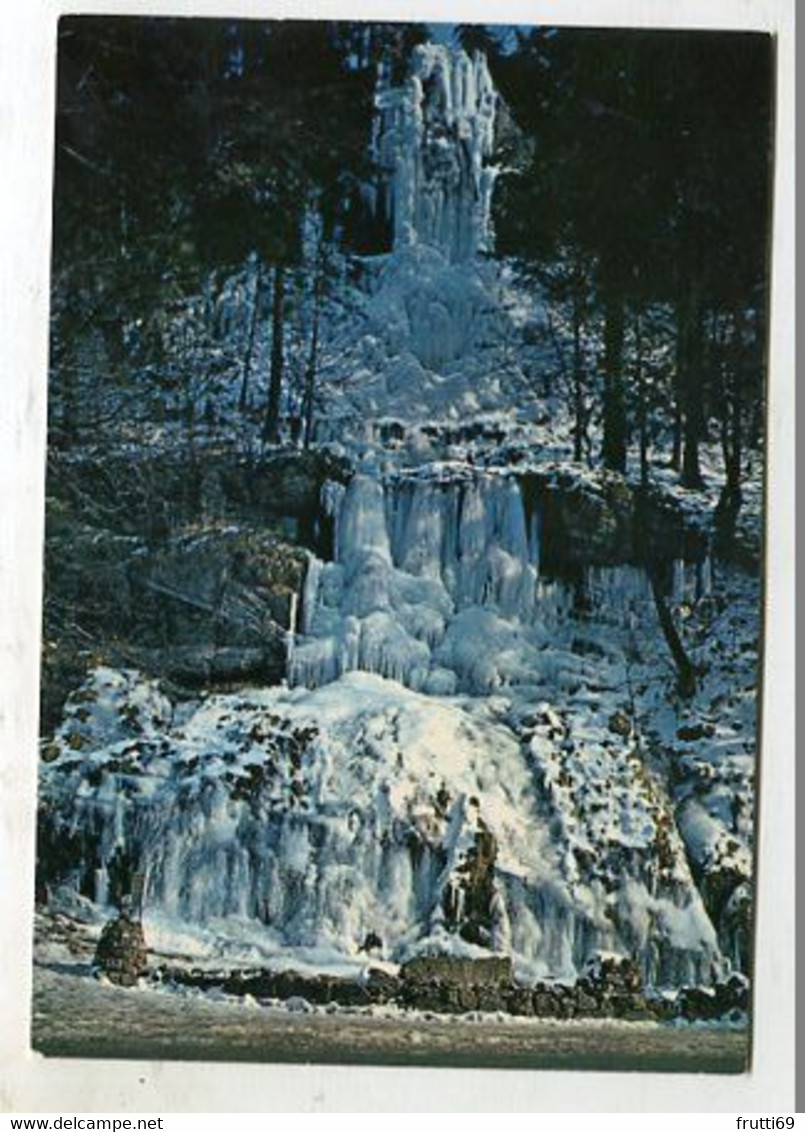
(544, 1004)
(432, 994)
(628, 1007)
(611, 974)
(318, 990)
(732, 995)
(121, 953)
(587, 1005)
(490, 997)
(661, 1009)
(520, 1001)
(695, 1003)
(495, 970)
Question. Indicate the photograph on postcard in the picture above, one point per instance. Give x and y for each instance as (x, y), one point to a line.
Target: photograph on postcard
(404, 540)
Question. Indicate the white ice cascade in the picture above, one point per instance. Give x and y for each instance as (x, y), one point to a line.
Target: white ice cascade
(424, 570)
(434, 138)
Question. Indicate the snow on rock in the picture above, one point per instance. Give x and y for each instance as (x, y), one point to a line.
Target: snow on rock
(326, 815)
(364, 807)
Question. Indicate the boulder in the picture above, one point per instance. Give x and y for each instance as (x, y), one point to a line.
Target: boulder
(223, 587)
(606, 973)
(380, 986)
(520, 1001)
(603, 519)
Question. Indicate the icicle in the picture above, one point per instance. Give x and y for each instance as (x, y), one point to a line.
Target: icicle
(706, 578)
(678, 587)
(310, 592)
(434, 136)
(362, 521)
(290, 636)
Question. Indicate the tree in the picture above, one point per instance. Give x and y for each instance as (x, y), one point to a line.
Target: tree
(249, 128)
(634, 143)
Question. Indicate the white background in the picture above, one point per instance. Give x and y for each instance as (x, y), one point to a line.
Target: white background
(30, 1083)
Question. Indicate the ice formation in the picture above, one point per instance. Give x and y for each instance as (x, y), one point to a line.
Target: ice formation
(449, 706)
(423, 570)
(426, 727)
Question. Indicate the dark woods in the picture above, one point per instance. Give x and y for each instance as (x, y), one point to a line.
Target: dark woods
(196, 156)
(639, 194)
(188, 151)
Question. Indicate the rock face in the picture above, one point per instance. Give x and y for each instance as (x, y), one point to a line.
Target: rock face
(215, 607)
(472, 902)
(604, 520)
(121, 953)
(150, 496)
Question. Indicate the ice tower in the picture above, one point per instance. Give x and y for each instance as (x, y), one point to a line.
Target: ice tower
(434, 140)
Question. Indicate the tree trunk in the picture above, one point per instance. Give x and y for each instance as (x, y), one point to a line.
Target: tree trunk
(69, 405)
(311, 368)
(614, 443)
(731, 498)
(271, 429)
(686, 671)
(690, 378)
(579, 424)
(547, 388)
(676, 450)
(243, 400)
(736, 422)
(642, 395)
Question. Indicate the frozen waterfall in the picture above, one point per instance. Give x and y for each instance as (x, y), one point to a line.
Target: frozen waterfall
(434, 138)
(323, 816)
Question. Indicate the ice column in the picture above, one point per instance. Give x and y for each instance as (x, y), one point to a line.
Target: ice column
(434, 140)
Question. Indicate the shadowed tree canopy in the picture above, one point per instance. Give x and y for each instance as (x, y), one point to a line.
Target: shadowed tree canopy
(646, 155)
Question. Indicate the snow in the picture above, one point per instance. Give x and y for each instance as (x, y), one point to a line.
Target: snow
(434, 655)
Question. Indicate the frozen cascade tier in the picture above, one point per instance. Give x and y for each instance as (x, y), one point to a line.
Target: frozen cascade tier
(434, 139)
(436, 583)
